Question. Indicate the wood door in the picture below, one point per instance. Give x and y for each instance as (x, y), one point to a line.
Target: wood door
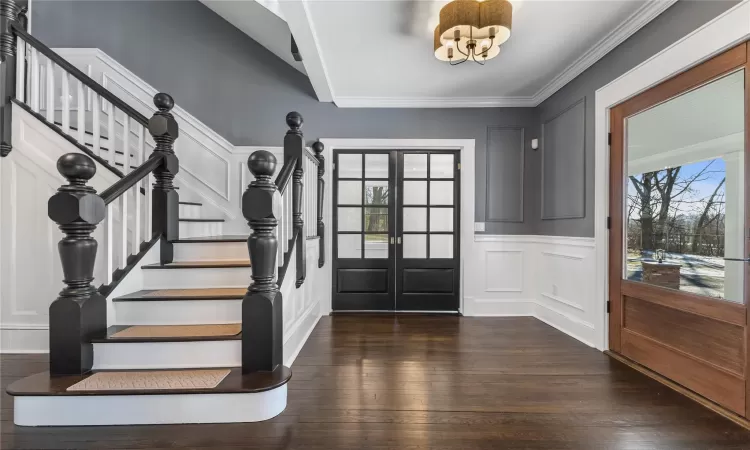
(428, 232)
(680, 229)
(363, 224)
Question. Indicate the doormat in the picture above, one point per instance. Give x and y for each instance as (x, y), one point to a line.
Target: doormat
(172, 331)
(151, 380)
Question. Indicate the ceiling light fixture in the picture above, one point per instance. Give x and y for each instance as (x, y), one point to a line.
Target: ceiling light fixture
(472, 29)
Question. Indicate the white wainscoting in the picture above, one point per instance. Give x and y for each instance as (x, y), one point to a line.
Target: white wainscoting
(547, 277)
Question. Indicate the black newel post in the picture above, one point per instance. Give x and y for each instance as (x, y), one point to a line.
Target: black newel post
(318, 148)
(166, 201)
(294, 146)
(262, 326)
(8, 15)
(80, 312)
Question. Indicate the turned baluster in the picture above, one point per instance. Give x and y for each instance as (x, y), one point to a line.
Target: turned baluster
(80, 312)
(262, 326)
(165, 201)
(318, 149)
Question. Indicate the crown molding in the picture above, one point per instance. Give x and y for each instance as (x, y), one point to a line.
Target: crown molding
(433, 102)
(645, 14)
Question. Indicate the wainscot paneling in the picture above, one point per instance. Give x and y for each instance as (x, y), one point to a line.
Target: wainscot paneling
(563, 164)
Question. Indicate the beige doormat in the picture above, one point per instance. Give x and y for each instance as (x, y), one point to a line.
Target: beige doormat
(151, 380)
(163, 331)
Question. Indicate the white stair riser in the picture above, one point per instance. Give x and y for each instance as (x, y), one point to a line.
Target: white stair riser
(210, 251)
(196, 278)
(200, 229)
(190, 212)
(73, 410)
(178, 312)
(167, 355)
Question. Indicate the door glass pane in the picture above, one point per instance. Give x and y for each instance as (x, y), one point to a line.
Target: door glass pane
(376, 219)
(441, 192)
(376, 246)
(350, 192)
(350, 219)
(376, 166)
(415, 192)
(350, 246)
(441, 166)
(684, 208)
(415, 165)
(350, 165)
(441, 246)
(415, 245)
(415, 219)
(376, 192)
(441, 219)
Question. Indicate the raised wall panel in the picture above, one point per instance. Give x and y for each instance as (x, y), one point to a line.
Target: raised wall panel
(563, 164)
(504, 271)
(505, 168)
(563, 277)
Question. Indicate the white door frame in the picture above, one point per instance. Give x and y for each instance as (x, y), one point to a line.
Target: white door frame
(722, 33)
(466, 148)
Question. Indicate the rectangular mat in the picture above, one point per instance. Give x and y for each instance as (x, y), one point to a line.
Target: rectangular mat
(162, 331)
(151, 380)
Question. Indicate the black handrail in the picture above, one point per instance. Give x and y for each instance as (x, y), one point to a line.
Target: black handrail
(283, 178)
(82, 77)
(127, 182)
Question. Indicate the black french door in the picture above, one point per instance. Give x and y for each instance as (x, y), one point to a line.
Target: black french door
(396, 236)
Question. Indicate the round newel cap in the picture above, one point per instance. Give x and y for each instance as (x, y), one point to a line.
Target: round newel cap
(163, 101)
(318, 147)
(294, 120)
(261, 163)
(76, 166)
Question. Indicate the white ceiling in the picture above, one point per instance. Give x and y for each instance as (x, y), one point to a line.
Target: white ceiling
(378, 53)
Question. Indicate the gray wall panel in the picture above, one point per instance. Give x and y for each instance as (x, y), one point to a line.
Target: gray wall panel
(505, 165)
(563, 164)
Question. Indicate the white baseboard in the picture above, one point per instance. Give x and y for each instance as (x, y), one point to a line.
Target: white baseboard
(294, 343)
(570, 325)
(483, 307)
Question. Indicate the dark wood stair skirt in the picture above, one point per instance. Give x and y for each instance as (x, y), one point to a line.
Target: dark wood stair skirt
(184, 294)
(181, 337)
(202, 220)
(217, 264)
(43, 384)
(206, 239)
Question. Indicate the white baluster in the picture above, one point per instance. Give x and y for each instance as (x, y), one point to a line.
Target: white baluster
(50, 106)
(21, 70)
(81, 114)
(96, 125)
(34, 91)
(137, 191)
(125, 143)
(109, 240)
(65, 102)
(111, 136)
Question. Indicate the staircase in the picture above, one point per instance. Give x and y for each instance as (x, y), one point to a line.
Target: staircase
(184, 329)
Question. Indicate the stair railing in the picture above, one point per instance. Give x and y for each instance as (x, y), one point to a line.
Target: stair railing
(79, 314)
(67, 100)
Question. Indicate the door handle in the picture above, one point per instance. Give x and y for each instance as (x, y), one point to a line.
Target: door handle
(392, 240)
(398, 240)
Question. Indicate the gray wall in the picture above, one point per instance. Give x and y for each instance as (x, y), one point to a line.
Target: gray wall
(243, 92)
(678, 21)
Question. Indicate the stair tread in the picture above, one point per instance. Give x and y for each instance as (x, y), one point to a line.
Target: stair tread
(201, 220)
(168, 333)
(228, 263)
(220, 238)
(42, 384)
(185, 294)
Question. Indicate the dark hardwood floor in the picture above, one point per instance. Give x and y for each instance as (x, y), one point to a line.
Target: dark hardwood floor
(425, 382)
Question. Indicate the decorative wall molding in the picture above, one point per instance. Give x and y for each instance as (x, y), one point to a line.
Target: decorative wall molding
(434, 102)
(509, 273)
(724, 31)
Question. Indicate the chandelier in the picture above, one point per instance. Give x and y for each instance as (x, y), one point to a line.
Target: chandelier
(472, 30)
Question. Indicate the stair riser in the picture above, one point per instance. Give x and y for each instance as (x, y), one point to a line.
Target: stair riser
(200, 229)
(196, 278)
(190, 212)
(167, 355)
(149, 409)
(210, 251)
(178, 312)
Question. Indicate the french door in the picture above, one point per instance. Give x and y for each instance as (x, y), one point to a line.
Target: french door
(679, 275)
(396, 230)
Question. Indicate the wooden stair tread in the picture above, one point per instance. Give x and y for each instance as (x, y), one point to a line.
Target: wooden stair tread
(220, 238)
(180, 333)
(42, 384)
(201, 220)
(185, 294)
(220, 264)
